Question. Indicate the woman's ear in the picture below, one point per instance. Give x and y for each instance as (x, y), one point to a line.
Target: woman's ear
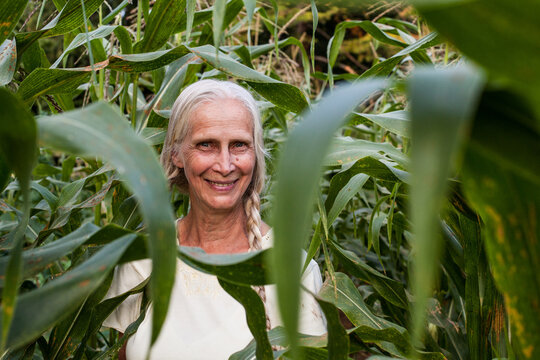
(177, 160)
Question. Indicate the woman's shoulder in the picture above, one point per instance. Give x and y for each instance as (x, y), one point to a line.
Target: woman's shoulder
(138, 270)
(267, 240)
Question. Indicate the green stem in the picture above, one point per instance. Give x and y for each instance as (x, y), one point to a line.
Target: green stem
(40, 14)
(139, 17)
(90, 53)
(125, 93)
(97, 210)
(134, 100)
(101, 84)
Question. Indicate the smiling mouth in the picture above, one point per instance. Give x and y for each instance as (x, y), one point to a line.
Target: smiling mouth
(220, 184)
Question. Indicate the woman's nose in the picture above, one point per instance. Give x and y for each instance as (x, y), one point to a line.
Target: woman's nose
(224, 163)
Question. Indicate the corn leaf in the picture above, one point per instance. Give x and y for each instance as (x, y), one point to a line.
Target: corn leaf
(502, 181)
(8, 61)
(63, 295)
(298, 175)
(480, 29)
(69, 18)
(241, 269)
(10, 13)
(278, 93)
(17, 132)
(161, 24)
(442, 103)
(100, 130)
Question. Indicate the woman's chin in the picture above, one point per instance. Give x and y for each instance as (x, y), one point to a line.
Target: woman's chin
(223, 205)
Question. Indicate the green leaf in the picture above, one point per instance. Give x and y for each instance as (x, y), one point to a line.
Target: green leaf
(135, 63)
(154, 136)
(190, 15)
(376, 168)
(113, 351)
(278, 93)
(391, 335)
(338, 339)
(105, 308)
(467, 24)
(163, 19)
(344, 295)
(34, 57)
(63, 295)
(259, 50)
(385, 67)
(69, 18)
(5, 173)
(242, 269)
(255, 316)
(10, 13)
(124, 38)
(204, 15)
(345, 192)
(395, 121)
(501, 179)
(218, 15)
(43, 170)
(37, 259)
(8, 61)
(345, 150)
(250, 8)
(283, 95)
(17, 131)
(297, 178)
(375, 226)
(99, 130)
(315, 15)
(69, 193)
(82, 39)
(441, 104)
(51, 81)
(128, 214)
(68, 334)
(371, 28)
(173, 82)
(277, 336)
(472, 242)
(110, 16)
(391, 290)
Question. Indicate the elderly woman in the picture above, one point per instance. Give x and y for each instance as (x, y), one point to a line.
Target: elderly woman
(214, 152)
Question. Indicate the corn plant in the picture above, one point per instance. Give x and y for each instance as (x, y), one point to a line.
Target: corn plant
(412, 181)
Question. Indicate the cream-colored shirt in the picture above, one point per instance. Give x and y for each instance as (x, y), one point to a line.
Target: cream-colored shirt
(203, 320)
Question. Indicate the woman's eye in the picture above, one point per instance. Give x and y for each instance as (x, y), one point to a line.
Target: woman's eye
(240, 144)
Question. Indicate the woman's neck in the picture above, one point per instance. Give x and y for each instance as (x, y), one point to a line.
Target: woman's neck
(216, 232)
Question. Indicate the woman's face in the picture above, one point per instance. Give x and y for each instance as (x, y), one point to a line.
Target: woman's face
(218, 155)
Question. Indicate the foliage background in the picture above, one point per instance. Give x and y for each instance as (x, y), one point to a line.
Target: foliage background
(416, 265)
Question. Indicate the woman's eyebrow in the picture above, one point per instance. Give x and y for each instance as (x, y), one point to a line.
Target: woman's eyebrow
(246, 139)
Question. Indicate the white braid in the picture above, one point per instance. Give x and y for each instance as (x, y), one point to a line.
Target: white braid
(252, 205)
(253, 221)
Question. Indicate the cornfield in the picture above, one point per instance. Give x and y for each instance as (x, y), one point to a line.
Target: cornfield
(402, 159)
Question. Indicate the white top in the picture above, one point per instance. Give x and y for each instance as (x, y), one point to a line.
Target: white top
(203, 320)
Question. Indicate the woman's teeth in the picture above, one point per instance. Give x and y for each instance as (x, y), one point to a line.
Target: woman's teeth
(221, 184)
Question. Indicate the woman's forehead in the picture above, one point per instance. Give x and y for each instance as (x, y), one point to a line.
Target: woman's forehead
(223, 115)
